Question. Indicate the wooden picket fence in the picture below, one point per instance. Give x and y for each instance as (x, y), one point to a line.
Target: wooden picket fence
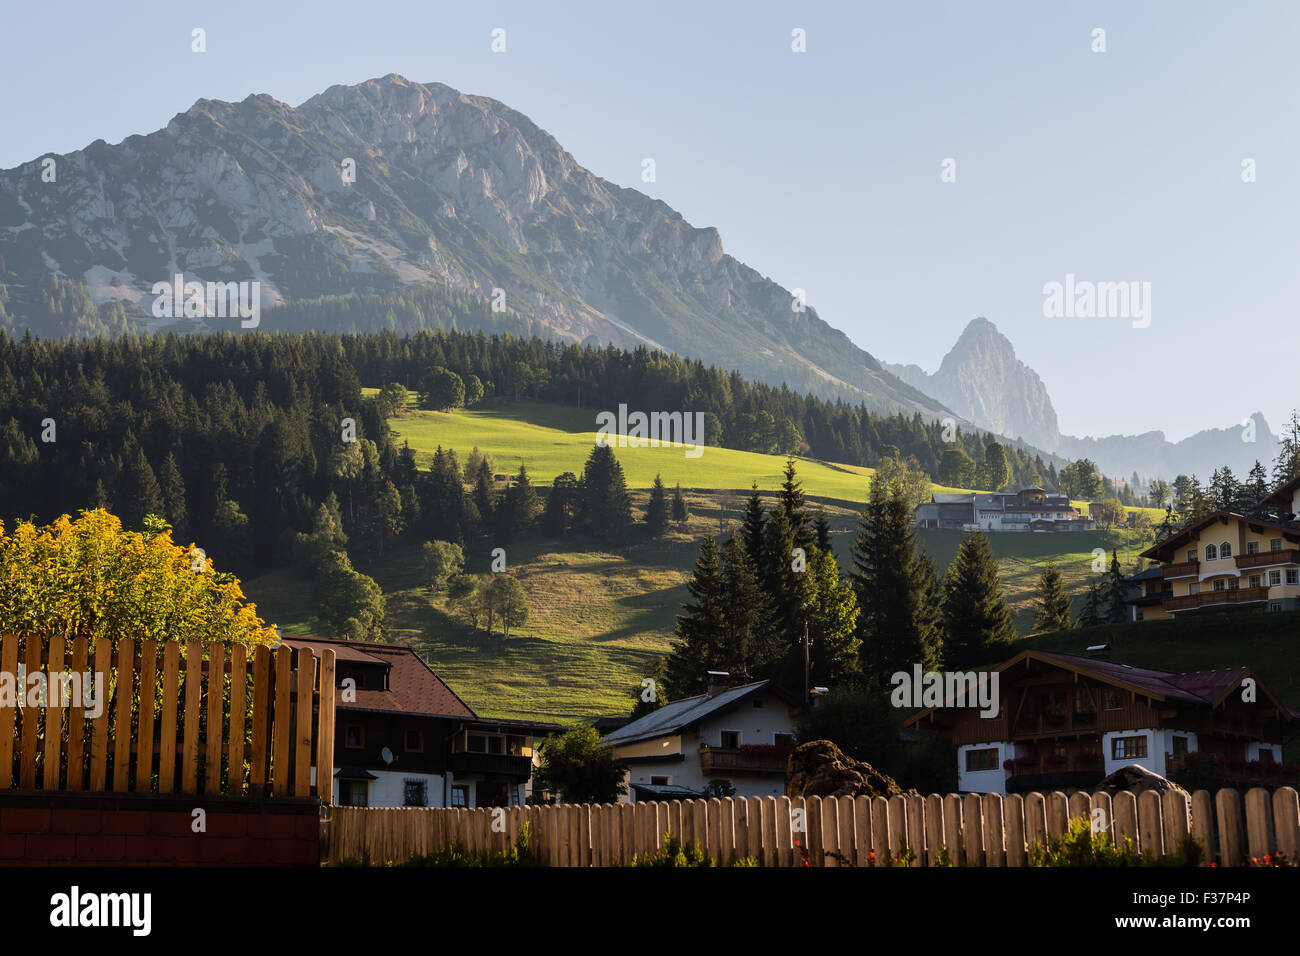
(973, 830)
(183, 719)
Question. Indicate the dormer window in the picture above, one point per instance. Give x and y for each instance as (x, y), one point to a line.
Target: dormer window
(1211, 553)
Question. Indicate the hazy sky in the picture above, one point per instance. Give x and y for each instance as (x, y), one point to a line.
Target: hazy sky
(822, 169)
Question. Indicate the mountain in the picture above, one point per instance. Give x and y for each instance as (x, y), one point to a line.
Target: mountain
(981, 379)
(453, 191)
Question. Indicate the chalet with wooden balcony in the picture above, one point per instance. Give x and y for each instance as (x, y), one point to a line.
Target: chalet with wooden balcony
(1226, 562)
(1067, 721)
(405, 739)
(740, 735)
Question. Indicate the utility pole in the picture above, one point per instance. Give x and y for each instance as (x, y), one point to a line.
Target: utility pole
(806, 641)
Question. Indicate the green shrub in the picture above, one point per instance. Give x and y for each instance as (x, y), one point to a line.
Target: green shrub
(1081, 847)
(674, 853)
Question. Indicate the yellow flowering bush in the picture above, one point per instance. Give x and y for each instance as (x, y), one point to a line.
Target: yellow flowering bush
(87, 577)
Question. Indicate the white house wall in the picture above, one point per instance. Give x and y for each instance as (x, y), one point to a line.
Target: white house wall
(755, 725)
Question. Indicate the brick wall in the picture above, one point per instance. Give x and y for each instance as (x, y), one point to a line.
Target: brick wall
(75, 829)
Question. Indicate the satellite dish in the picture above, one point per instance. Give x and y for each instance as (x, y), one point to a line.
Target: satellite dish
(387, 755)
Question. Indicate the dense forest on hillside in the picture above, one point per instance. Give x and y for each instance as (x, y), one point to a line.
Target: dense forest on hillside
(253, 423)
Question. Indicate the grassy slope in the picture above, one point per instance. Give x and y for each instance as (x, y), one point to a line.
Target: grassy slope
(600, 618)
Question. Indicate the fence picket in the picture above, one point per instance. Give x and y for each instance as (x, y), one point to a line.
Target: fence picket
(1260, 838)
(9, 663)
(54, 716)
(167, 728)
(193, 714)
(1228, 804)
(99, 726)
(1203, 824)
(216, 673)
(30, 718)
(148, 707)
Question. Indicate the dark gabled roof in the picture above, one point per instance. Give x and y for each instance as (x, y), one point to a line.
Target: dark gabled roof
(1193, 530)
(413, 688)
(1150, 574)
(536, 728)
(679, 715)
(1206, 688)
(1282, 494)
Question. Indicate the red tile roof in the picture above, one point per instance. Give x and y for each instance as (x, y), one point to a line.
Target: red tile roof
(413, 688)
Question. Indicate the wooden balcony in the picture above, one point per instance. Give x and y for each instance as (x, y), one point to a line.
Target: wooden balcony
(725, 760)
(1181, 570)
(495, 765)
(1264, 558)
(1228, 596)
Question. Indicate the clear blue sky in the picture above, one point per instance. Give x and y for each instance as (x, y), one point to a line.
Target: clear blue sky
(821, 170)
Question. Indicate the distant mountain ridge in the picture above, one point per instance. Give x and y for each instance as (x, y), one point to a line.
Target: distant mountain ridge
(452, 190)
(981, 379)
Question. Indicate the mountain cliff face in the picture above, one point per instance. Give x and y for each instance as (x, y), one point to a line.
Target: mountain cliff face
(449, 189)
(982, 380)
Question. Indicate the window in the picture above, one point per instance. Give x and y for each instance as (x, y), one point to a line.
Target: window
(496, 745)
(1193, 588)
(1292, 576)
(1234, 583)
(1211, 552)
(415, 743)
(1274, 578)
(1180, 745)
(1254, 581)
(1275, 605)
(730, 739)
(353, 793)
(1218, 584)
(476, 743)
(986, 758)
(1252, 547)
(1123, 748)
(783, 740)
(658, 781)
(1225, 550)
(1275, 544)
(1191, 556)
(356, 737)
(1112, 698)
(415, 793)
(459, 797)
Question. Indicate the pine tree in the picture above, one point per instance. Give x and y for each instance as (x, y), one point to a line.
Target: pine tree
(1255, 490)
(1114, 610)
(140, 493)
(751, 528)
(699, 628)
(1287, 464)
(173, 491)
(561, 504)
(792, 504)
(606, 505)
(896, 587)
(822, 532)
(656, 511)
(977, 624)
(680, 512)
(519, 507)
(747, 646)
(1052, 606)
(1091, 615)
(484, 493)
